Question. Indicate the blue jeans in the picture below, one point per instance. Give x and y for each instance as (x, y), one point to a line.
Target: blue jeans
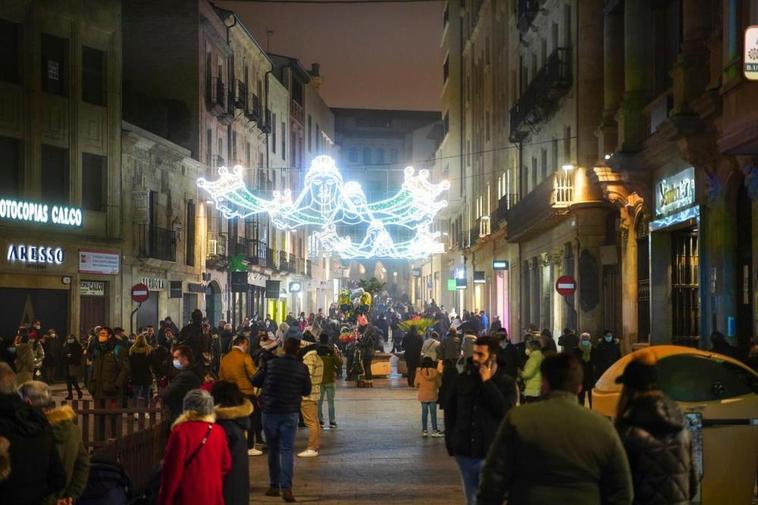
(280, 432)
(428, 408)
(328, 391)
(470, 469)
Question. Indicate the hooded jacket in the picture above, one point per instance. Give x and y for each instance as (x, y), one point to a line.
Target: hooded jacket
(36, 470)
(200, 480)
(73, 455)
(236, 421)
(658, 447)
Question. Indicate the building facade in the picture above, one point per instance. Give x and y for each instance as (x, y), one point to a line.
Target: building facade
(60, 156)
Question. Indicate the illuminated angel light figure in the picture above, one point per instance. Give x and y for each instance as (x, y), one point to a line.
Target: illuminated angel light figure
(327, 201)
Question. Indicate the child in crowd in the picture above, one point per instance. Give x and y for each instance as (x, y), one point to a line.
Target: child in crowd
(428, 384)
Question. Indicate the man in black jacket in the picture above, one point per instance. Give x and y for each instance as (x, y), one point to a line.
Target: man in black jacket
(477, 401)
(412, 343)
(189, 377)
(36, 469)
(285, 380)
(192, 336)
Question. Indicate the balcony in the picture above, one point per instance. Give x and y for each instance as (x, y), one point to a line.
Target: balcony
(258, 253)
(506, 202)
(543, 207)
(542, 96)
(253, 108)
(283, 264)
(157, 243)
(297, 113)
(526, 11)
(240, 100)
(214, 95)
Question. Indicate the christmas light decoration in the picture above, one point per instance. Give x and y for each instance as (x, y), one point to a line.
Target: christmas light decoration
(328, 204)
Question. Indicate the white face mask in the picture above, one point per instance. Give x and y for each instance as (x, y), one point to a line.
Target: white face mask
(608, 338)
(178, 364)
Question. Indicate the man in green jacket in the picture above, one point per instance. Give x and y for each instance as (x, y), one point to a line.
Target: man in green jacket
(68, 440)
(555, 450)
(332, 362)
(108, 378)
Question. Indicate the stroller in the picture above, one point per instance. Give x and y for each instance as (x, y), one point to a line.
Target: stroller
(107, 483)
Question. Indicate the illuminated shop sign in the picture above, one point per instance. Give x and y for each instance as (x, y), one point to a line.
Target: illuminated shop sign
(22, 253)
(751, 53)
(34, 212)
(675, 192)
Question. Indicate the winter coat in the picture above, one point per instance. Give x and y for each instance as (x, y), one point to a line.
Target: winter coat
(556, 451)
(36, 469)
(604, 354)
(236, 421)
(451, 347)
(139, 366)
(532, 375)
(24, 363)
(467, 345)
(568, 342)
(200, 480)
(474, 410)
(225, 341)
(657, 445)
(264, 353)
(431, 349)
(285, 380)
(73, 455)
(332, 361)
(72, 358)
(412, 344)
(192, 336)
(109, 373)
(312, 360)
(427, 382)
(507, 357)
(173, 396)
(237, 366)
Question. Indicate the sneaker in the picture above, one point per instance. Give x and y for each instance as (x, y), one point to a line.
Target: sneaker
(333, 426)
(308, 453)
(424, 433)
(437, 434)
(254, 452)
(272, 491)
(287, 496)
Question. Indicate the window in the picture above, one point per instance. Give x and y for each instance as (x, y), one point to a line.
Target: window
(10, 166)
(220, 145)
(310, 132)
(353, 155)
(94, 187)
(234, 158)
(248, 155)
(543, 153)
(366, 155)
(567, 25)
(534, 173)
(55, 173)
(567, 146)
(446, 69)
(380, 155)
(284, 141)
(691, 378)
(318, 137)
(93, 76)
(554, 148)
(53, 64)
(208, 147)
(189, 253)
(273, 133)
(393, 155)
(10, 36)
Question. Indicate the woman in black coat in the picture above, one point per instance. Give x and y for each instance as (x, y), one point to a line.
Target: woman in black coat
(72, 365)
(656, 440)
(139, 368)
(233, 414)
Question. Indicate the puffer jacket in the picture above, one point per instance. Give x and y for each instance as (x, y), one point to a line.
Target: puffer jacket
(532, 375)
(110, 370)
(285, 380)
(658, 447)
(315, 365)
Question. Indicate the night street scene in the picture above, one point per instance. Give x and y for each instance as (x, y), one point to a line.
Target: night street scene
(417, 252)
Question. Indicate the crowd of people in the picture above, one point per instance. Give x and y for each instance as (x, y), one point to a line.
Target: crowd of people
(515, 416)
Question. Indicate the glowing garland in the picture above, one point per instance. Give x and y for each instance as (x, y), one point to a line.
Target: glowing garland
(326, 202)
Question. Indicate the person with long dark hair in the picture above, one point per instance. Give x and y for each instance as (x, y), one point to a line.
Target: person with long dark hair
(233, 414)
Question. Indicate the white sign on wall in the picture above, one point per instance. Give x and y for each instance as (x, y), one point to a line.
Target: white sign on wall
(92, 261)
(23, 253)
(91, 288)
(675, 192)
(751, 53)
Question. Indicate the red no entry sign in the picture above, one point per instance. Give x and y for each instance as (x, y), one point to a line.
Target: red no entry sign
(140, 293)
(565, 285)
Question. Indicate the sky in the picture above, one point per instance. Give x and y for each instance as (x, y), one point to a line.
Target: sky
(384, 56)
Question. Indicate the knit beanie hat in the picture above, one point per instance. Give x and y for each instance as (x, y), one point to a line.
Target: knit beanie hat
(641, 373)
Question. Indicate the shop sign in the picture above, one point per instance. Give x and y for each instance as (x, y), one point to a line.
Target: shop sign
(295, 287)
(239, 282)
(500, 265)
(675, 192)
(751, 53)
(272, 289)
(451, 285)
(479, 277)
(194, 287)
(23, 253)
(36, 212)
(98, 262)
(154, 283)
(91, 288)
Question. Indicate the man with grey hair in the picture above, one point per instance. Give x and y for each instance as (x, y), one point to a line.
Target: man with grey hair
(197, 449)
(67, 436)
(36, 470)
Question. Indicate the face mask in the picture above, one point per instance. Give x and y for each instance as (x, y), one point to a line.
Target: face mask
(178, 364)
(608, 338)
(102, 339)
(585, 343)
(37, 327)
(12, 350)
(70, 340)
(503, 344)
(528, 352)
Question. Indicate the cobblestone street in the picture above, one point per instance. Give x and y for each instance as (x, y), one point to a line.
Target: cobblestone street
(377, 454)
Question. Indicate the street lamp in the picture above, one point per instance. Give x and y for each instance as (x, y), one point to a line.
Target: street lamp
(568, 167)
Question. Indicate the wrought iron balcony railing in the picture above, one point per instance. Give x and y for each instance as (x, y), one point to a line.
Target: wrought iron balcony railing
(158, 243)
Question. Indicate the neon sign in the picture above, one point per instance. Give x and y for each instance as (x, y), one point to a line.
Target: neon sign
(35, 212)
(23, 253)
(329, 205)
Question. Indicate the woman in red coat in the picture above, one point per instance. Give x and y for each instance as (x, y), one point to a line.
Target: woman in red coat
(197, 455)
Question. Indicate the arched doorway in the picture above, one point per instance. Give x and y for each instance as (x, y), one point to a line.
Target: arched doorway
(213, 303)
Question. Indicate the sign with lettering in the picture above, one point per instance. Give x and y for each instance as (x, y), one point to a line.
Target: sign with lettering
(153, 283)
(751, 53)
(23, 253)
(35, 212)
(92, 261)
(91, 288)
(675, 192)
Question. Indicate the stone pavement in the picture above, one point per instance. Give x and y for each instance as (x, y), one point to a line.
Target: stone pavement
(376, 455)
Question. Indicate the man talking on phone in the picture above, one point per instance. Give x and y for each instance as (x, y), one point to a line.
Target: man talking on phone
(476, 402)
